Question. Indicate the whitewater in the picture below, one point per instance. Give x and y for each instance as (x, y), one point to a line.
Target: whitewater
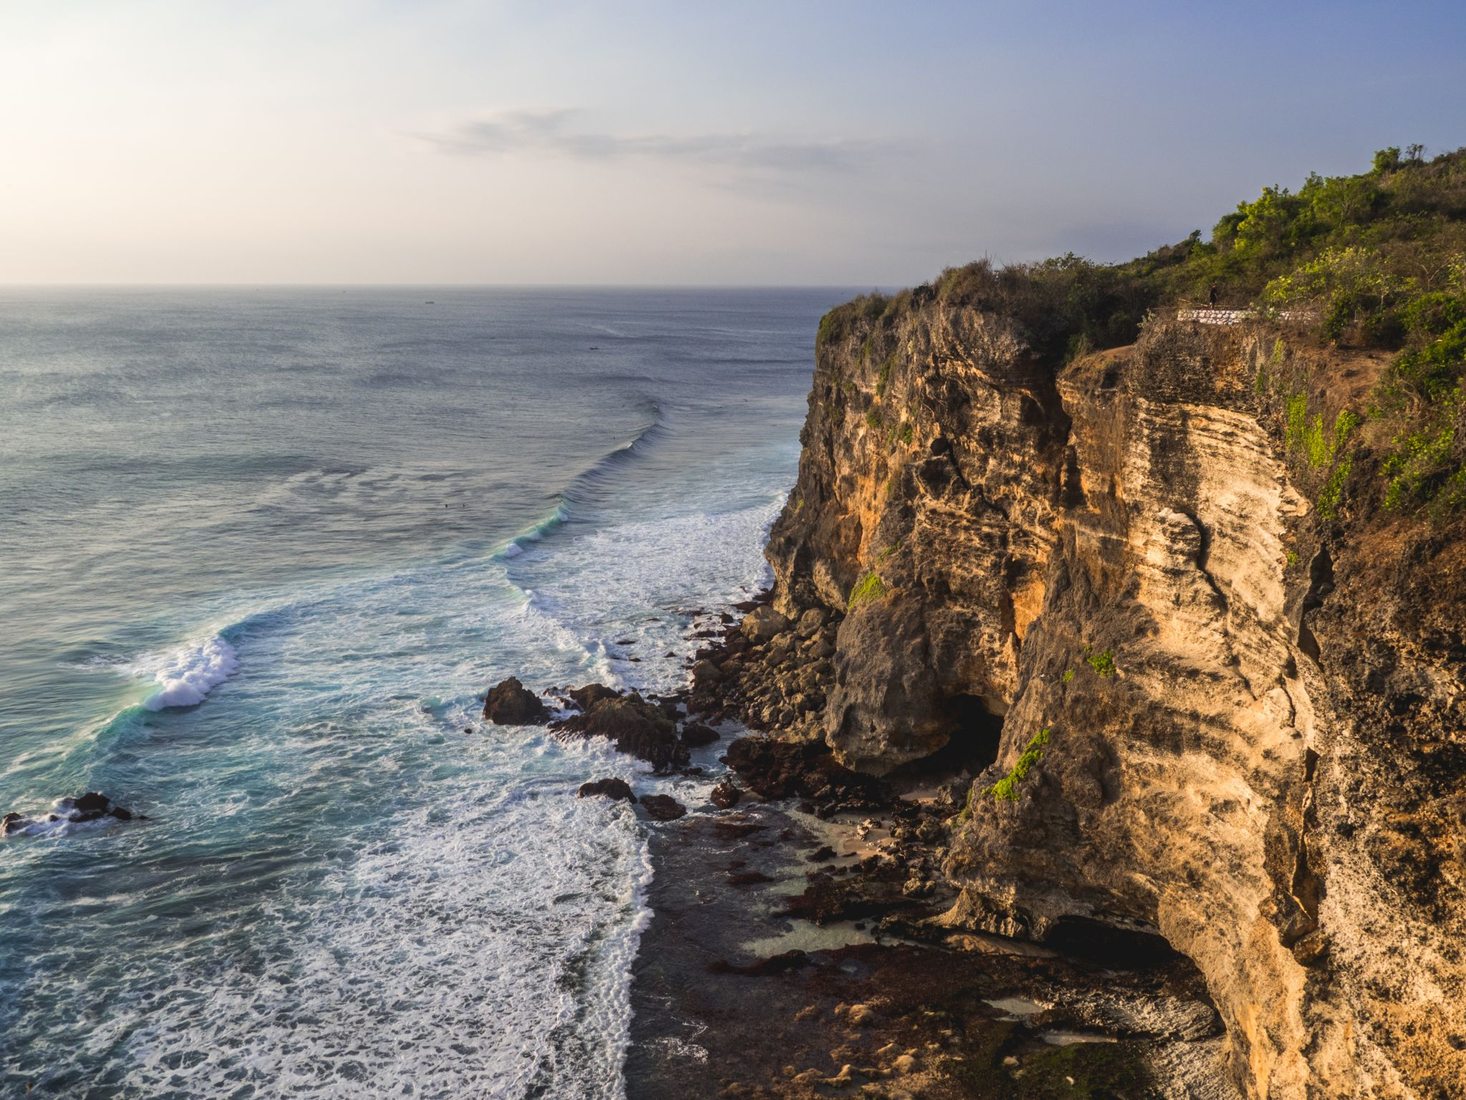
(266, 550)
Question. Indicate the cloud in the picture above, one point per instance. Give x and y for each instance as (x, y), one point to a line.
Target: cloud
(554, 133)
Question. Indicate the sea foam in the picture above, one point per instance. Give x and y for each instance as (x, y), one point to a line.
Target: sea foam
(191, 673)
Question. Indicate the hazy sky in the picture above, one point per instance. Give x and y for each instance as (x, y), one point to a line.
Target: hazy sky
(843, 142)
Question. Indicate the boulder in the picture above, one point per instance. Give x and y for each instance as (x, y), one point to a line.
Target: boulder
(510, 703)
(705, 674)
(662, 807)
(725, 795)
(811, 622)
(763, 623)
(617, 790)
(588, 696)
(696, 734)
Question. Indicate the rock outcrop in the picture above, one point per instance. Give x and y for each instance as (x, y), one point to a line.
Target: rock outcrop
(510, 703)
(617, 790)
(637, 726)
(1214, 695)
(83, 809)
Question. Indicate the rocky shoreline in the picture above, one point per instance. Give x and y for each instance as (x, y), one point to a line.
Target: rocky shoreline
(797, 946)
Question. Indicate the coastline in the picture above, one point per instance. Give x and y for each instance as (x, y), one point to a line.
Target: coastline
(791, 953)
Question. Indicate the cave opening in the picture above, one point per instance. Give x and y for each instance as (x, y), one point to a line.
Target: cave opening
(973, 744)
(1097, 943)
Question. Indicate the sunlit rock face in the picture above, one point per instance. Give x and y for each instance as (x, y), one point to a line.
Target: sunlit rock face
(1254, 713)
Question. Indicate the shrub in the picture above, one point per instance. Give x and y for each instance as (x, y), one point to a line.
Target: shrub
(1347, 285)
(1430, 371)
(1102, 662)
(1426, 464)
(1006, 789)
(1321, 447)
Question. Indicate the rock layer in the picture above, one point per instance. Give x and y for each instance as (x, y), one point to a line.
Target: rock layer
(1202, 710)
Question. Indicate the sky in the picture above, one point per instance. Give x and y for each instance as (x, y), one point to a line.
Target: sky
(839, 143)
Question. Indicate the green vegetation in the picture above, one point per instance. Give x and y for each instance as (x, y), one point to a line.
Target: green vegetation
(1321, 448)
(1006, 789)
(1068, 676)
(873, 419)
(1373, 260)
(869, 587)
(883, 376)
(1103, 662)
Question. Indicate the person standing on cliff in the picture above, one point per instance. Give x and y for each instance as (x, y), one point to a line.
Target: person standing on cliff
(1211, 296)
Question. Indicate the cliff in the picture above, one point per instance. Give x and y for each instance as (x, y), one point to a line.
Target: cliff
(1209, 689)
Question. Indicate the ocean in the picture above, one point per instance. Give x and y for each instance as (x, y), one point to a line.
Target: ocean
(261, 553)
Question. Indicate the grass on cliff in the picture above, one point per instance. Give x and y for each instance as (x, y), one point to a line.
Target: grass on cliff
(869, 587)
(1006, 789)
(1376, 259)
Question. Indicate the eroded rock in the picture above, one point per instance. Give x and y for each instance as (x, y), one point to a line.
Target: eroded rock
(510, 703)
(662, 807)
(617, 790)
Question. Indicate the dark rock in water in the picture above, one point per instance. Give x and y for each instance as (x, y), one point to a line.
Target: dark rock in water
(638, 727)
(822, 855)
(617, 790)
(92, 806)
(510, 703)
(696, 734)
(725, 795)
(662, 807)
(587, 697)
(805, 770)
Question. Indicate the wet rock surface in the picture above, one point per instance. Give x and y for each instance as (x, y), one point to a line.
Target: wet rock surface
(617, 790)
(638, 726)
(79, 810)
(510, 703)
(806, 770)
(662, 807)
(732, 999)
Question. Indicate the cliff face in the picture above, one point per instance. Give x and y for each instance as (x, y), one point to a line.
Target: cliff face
(1241, 718)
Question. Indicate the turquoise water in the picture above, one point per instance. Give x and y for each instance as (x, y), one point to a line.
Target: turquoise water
(259, 553)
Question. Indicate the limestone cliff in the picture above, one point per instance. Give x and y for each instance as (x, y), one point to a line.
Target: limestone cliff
(1235, 687)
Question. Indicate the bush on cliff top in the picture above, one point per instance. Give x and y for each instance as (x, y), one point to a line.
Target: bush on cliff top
(1376, 259)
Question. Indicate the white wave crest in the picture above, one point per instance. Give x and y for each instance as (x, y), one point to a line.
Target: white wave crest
(191, 673)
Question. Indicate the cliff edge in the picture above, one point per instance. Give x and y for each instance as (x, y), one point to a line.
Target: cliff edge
(1210, 690)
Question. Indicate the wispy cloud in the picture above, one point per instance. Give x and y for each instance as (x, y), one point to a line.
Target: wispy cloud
(556, 133)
